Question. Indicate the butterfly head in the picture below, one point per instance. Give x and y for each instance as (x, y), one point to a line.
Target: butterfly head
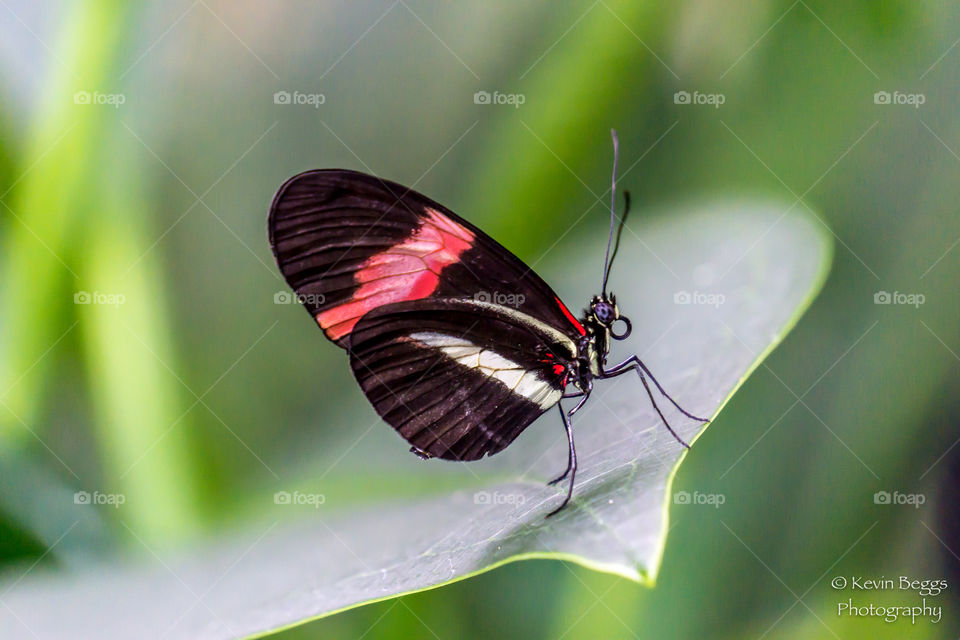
(605, 313)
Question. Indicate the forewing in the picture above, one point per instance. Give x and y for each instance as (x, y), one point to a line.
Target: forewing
(349, 243)
(458, 379)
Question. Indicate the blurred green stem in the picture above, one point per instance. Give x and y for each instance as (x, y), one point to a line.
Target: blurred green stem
(78, 228)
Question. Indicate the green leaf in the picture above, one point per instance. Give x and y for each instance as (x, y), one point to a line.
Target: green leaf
(710, 290)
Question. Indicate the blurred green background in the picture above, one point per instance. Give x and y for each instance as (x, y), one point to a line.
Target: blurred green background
(142, 353)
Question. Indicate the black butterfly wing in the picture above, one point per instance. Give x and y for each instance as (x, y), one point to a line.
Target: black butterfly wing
(458, 379)
(349, 243)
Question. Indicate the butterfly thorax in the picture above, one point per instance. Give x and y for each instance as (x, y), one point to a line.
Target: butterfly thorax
(592, 350)
(598, 321)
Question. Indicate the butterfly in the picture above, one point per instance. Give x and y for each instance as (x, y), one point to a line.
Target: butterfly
(457, 343)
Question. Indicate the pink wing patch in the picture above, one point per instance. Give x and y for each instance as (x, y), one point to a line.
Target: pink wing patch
(406, 271)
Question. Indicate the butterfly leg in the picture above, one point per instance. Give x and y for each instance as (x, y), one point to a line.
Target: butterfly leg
(420, 453)
(570, 453)
(571, 460)
(583, 400)
(635, 363)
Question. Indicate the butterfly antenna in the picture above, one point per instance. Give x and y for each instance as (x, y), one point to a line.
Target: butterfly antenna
(613, 215)
(608, 260)
(616, 243)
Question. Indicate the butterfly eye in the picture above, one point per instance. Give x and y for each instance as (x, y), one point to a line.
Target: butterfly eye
(604, 312)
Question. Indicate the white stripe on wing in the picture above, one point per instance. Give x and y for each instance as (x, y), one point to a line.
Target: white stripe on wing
(516, 378)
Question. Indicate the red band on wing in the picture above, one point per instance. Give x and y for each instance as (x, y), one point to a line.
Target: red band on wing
(566, 312)
(409, 270)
